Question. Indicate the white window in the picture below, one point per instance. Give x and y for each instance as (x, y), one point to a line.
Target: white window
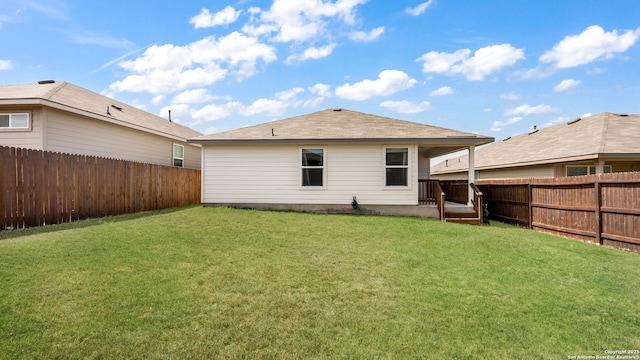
(313, 163)
(396, 166)
(14, 120)
(581, 170)
(178, 155)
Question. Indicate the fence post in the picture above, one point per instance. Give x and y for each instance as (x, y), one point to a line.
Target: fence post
(530, 200)
(597, 188)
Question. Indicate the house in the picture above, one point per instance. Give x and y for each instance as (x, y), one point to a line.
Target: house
(333, 161)
(596, 144)
(62, 117)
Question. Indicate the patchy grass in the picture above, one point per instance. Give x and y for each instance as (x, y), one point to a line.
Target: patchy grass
(235, 284)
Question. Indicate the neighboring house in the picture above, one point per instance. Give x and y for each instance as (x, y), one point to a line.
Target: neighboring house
(322, 161)
(62, 117)
(596, 144)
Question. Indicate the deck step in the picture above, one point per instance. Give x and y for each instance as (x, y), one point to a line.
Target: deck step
(463, 220)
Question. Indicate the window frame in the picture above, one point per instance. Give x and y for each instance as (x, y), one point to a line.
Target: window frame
(323, 167)
(590, 169)
(174, 157)
(21, 128)
(386, 166)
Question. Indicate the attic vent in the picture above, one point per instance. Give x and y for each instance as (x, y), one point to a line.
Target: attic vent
(41, 82)
(506, 138)
(574, 121)
(535, 130)
(116, 107)
(337, 109)
(623, 115)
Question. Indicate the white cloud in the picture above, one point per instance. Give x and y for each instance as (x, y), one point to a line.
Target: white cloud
(363, 36)
(484, 61)
(566, 85)
(526, 109)
(323, 90)
(158, 99)
(420, 9)
(553, 122)
(388, 82)
(442, 91)
(510, 96)
(300, 20)
(592, 44)
(312, 53)
(406, 107)
(214, 112)
(499, 125)
(205, 19)
(195, 96)
(89, 38)
(168, 68)
(6, 65)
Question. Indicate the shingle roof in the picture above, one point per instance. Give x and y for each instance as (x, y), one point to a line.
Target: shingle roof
(74, 98)
(602, 135)
(342, 125)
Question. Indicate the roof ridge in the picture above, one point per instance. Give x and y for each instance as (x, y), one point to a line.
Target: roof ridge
(603, 136)
(54, 90)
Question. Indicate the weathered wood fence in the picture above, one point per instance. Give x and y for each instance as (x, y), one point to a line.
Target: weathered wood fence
(41, 188)
(603, 209)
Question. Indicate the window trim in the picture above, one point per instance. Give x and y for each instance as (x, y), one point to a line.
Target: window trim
(174, 157)
(588, 168)
(11, 113)
(385, 167)
(302, 167)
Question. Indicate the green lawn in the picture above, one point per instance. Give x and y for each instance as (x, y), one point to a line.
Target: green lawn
(221, 283)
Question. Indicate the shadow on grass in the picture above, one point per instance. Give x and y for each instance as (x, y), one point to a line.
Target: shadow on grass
(10, 234)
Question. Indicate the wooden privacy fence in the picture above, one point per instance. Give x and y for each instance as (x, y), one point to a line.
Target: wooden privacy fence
(603, 209)
(41, 188)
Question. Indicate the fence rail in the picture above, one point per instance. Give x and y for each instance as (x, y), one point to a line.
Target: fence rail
(603, 209)
(40, 188)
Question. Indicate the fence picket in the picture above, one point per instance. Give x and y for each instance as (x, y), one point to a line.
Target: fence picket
(39, 187)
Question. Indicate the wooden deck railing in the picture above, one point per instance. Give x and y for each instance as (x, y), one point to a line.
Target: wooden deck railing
(477, 202)
(430, 193)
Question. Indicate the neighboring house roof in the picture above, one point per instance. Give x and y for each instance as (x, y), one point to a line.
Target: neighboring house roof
(341, 125)
(605, 135)
(69, 97)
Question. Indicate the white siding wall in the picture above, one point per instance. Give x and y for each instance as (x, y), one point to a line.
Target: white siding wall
(28, 139)
(272, 174)
(75, 134)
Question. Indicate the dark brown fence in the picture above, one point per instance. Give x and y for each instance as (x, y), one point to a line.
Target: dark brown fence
(41, 188)
(603, 209)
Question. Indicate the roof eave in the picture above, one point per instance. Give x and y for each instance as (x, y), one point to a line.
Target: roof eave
(450, 141)
(71, 109)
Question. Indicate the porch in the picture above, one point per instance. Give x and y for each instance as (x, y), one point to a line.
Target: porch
(450, 197)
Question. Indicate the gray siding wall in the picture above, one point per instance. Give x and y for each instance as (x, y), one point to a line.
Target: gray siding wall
(76, 134)
(271, 174)
(28, 139)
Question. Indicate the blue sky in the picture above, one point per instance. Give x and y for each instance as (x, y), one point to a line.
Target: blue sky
(493, 67)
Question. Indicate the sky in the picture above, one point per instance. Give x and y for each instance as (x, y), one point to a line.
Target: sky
(497, 68)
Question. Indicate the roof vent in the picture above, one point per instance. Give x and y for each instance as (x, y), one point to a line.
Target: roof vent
(506, 138)
(623, 115)
(116, 107)
(337, 109)
(574, 121)
(534, 130)
(41, 82)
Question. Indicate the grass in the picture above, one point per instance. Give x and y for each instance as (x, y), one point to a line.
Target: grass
(236, 284)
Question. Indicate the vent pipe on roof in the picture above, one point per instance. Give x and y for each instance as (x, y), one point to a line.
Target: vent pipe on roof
(41, 82)
(116, 107)
(108, 113)
(169, 115)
